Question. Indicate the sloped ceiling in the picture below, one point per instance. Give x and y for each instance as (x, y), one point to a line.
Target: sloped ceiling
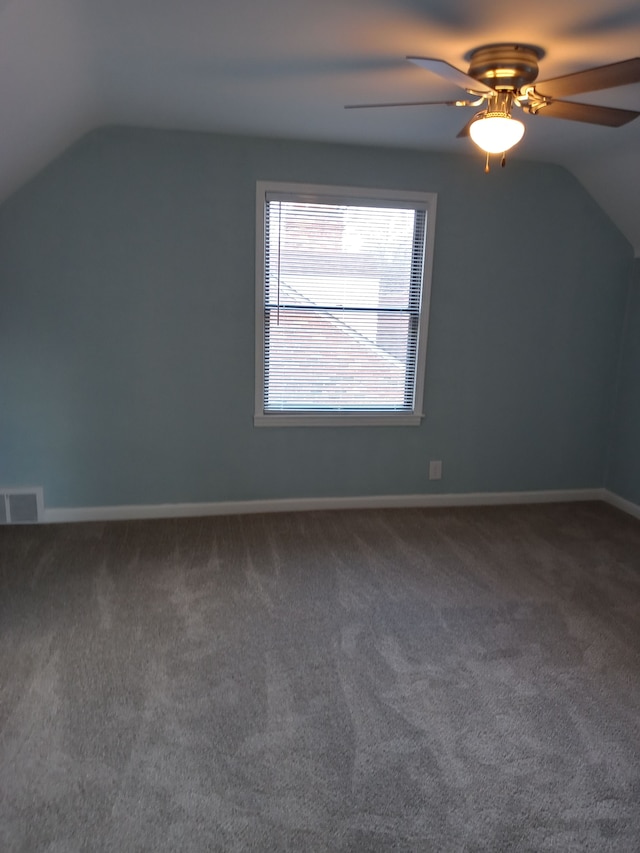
(286, 68)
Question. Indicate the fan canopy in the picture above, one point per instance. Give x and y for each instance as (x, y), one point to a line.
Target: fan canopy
(505, 67)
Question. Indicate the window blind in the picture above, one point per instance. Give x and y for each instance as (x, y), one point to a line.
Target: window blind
(342, 293)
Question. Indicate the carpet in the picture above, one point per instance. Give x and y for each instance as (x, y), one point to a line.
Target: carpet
(381, 680)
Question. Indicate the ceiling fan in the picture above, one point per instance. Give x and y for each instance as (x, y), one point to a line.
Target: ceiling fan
(503, 76)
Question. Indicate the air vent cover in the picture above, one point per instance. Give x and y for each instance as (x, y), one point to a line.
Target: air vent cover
(21, 506)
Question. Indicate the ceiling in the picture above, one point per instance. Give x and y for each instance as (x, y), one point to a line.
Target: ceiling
(286, 67)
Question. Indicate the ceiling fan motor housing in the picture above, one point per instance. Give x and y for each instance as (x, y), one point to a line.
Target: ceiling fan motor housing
(505, 67)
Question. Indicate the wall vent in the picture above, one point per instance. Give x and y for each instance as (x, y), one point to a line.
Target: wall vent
(21, 506)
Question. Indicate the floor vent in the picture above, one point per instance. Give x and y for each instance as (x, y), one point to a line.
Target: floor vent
(21, 506)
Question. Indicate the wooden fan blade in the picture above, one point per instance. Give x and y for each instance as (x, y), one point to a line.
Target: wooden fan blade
(590, 113)
(592, 79)
(450, 73)
(465, 130)
(407, 104)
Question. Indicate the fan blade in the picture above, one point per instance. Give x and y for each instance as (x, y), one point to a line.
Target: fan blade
(590, 113)
(409, 104)
(592, 79)
(465, 130)
(450, 73)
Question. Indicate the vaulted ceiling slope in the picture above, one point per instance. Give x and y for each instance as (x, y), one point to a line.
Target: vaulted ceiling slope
(286, 68)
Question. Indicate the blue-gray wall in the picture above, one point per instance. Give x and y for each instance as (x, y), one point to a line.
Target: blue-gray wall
(127, 327)
(623, 475)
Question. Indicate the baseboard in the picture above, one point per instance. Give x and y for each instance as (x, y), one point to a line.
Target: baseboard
(621, 503)
(186, 510)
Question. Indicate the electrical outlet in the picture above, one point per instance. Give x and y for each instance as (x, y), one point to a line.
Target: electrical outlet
(435, 469)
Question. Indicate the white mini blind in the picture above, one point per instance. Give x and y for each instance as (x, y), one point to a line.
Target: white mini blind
(342, 300)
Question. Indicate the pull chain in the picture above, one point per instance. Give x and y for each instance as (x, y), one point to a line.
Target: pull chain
(503, 162)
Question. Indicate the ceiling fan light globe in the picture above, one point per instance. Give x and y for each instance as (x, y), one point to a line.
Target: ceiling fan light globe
(496, 133)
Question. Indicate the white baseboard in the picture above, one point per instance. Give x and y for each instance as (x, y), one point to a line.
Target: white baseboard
(185, 510)
(621, 503)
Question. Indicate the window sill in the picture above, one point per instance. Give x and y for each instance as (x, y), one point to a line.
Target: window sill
(333, 419)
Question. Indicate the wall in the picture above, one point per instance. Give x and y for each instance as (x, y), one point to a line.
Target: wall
(127, 327)
(623, 474)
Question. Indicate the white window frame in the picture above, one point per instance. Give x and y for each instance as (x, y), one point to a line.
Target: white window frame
(342, 195)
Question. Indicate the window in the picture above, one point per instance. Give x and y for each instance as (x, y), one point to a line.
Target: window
(342, 304)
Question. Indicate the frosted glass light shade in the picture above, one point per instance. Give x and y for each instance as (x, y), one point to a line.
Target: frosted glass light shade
(496, 133)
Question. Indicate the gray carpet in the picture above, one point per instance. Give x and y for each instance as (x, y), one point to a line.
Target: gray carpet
(400, 680)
